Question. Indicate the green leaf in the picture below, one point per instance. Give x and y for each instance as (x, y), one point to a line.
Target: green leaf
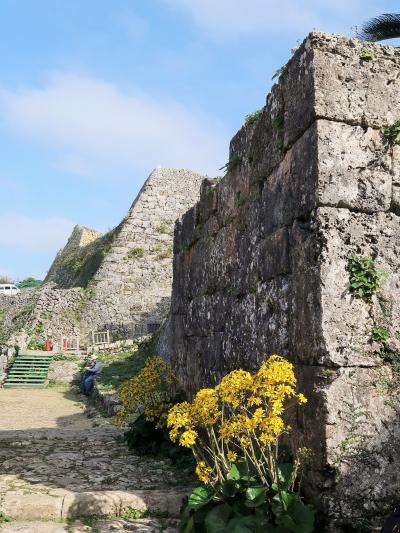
(234, 473)
(255, 496)
(285, 471)
(199, 497)
(217, 519)
(251, 524)
(285, 499)
(188, 526)
(299, 519)
(229, 488)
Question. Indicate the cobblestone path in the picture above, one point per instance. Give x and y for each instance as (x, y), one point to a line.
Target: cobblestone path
(63, 469)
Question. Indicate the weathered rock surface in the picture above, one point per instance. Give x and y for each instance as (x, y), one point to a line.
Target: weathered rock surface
(260, 267)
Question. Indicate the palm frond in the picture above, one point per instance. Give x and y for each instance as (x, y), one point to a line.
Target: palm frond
(386, 26)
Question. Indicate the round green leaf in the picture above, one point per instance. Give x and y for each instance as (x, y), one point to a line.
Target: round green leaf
(199, 497)
(217, 519)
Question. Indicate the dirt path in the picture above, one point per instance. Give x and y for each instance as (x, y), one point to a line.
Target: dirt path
(41, 408)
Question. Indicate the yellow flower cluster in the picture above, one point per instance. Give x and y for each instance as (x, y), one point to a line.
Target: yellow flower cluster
(203, 472)
(148, 392)
(241, 419)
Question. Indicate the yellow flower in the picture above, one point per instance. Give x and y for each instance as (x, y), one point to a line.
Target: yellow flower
(302, 399)
(179, 417)
(232, 456)
(245, 441)
(147, 392)
(203, 472)
(188, 438)
(233, 387)
(206, 407)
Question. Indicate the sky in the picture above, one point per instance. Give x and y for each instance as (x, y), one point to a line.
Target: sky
(95, 94)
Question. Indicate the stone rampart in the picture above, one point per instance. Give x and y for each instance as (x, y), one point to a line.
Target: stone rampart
(132, 287)
(120, 281)
(261, 267)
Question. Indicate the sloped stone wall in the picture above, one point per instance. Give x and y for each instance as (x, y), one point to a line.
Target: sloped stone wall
(132, 287)
(120, 281)
(260, 267)
(80, 248)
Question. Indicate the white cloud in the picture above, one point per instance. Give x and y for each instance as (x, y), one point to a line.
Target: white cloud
(232, 18)
(98, 130)
(37, 234)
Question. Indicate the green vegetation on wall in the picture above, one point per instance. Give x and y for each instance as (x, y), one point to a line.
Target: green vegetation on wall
(365, 278)
(135, 253)
(392, 132)
(83, 265)
(251, 118)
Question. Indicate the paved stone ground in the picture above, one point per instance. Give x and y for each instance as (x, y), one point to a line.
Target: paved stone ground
(55, 466)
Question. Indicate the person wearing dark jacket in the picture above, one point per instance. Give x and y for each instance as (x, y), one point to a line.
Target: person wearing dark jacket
(92, 371)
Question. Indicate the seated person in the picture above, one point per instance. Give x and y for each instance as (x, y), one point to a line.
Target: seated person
(92, 371)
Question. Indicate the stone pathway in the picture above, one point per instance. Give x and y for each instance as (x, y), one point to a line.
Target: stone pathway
(55, 467)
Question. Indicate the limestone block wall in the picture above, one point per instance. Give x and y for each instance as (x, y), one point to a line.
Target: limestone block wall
(15, 311)
(120, 281)
(76, 264)
(260, 267)
(132, 287)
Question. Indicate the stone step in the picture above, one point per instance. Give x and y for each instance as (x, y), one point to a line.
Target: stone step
(66, 505)
(59, 474)
(141, 525)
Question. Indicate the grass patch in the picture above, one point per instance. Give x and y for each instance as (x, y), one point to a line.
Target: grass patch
(232, 164)
(4, 518)
(165, 228)
(120, 367)
(66, 357)
(129, 514)
(367, 55)
(135, 253)
(165, 254)
(59, 385)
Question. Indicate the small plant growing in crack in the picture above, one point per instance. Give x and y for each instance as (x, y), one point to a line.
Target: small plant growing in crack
(278, 125)
(233, 163)
(135, 253)
(380, 334)
(251, 118)
(367, 55)
(392, 132)
(365, 278)
(4, 518)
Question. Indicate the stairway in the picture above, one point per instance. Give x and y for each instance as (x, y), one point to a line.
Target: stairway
(28, 370)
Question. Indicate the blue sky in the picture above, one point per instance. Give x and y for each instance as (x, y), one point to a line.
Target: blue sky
(94, 94)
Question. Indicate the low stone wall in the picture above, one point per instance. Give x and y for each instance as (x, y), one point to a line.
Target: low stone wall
(6, 358)
(107, 402)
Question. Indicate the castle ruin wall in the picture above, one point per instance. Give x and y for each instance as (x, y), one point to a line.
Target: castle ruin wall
(261, 267)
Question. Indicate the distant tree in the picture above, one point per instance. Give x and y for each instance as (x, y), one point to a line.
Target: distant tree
(28, 280)
(386, 26)
(4, 279)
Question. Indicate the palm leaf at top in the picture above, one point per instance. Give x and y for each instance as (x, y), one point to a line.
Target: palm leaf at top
(386, 26)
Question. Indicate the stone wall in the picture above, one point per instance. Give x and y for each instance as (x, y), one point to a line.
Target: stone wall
(260, 267)
(82, 249)
(120, 281)
(32, 315)
(132, 287)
